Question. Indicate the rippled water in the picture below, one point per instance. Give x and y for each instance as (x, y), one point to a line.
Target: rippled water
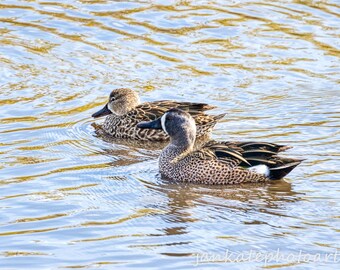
(70, 199)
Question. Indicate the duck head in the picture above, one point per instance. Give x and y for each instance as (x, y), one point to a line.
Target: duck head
(121, 101)
(179, 125)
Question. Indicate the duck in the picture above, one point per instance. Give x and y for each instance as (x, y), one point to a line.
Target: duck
(215, 163)
(124, 111)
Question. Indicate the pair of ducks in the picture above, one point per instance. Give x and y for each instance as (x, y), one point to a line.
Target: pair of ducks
(183, 122)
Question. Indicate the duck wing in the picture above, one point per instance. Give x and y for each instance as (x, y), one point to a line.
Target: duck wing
(205, 119)
(152, 110)
(247, 146)
(224, 152)
(247, 154)
(147, 112)
(190, 107)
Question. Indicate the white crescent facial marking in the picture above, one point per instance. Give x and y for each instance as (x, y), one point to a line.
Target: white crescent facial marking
(163, 119)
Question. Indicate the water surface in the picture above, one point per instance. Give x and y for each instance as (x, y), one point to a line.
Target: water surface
(70, 199)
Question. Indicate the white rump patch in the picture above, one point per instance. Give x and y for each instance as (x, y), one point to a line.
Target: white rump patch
(260, 169)
(163, 122)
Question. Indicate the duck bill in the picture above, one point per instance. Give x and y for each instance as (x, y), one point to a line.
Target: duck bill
(156, 124)
(102, 112)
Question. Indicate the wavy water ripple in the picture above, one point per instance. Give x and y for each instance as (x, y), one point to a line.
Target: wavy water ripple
(72, 198)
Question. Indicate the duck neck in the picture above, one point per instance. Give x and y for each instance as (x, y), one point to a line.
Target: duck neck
(184, 144)
(181, 145)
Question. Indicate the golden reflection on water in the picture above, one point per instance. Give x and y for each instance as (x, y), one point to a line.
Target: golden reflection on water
(72, 197)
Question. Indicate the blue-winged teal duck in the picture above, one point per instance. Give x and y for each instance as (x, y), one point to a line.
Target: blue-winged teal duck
(124, 111)
(215, 162)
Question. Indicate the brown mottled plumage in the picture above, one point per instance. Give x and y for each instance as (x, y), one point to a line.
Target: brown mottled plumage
(124, 113)
(216, 162)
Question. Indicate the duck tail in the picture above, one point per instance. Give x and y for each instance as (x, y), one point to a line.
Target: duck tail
(276, 173)
(219, 116)
(195, 107)
(283, 148)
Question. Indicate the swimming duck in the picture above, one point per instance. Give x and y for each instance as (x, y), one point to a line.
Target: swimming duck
(124, 111)
(215, 162)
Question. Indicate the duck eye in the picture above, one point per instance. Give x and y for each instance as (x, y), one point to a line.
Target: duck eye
(112, 98)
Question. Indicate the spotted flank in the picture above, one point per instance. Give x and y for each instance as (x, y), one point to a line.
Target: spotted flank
(216, 162)
(124, 111)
